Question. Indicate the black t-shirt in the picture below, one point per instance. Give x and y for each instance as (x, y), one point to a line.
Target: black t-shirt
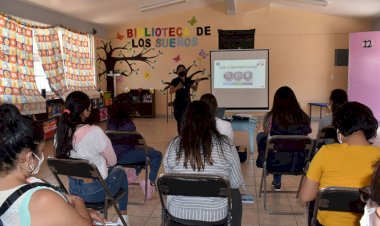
(184, 93)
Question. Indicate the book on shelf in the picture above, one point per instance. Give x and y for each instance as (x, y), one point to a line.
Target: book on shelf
(247, 198)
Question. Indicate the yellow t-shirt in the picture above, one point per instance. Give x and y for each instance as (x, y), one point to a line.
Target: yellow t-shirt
(344, 166)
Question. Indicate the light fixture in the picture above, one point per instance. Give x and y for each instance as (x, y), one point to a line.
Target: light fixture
(311, 2)
(160, 4)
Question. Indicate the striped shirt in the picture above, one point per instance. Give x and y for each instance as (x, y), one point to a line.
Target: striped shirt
(203, 208)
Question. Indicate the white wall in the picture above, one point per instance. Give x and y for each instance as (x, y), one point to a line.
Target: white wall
(37, 14)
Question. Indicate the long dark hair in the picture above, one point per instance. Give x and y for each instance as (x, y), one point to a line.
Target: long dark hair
(17, 133)
(197, 137)
(210, 99)
(286, 110)
(121, 110)
(337, 98)
(76, 103)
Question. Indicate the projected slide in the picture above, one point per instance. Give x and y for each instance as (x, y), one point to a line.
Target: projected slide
(239, 74)
(240, 78)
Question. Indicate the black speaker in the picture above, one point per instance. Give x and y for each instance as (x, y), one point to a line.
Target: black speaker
(341, 57)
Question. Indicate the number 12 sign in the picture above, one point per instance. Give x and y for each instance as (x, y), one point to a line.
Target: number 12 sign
(367, 44)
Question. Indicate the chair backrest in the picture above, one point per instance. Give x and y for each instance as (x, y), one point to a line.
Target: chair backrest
(327, 135)
(342, 199)
(126, 137)
(201, 185)
(287, 154)
(75, 168)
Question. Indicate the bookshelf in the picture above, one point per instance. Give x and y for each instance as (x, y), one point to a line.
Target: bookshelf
(49, 120)
(144, 102)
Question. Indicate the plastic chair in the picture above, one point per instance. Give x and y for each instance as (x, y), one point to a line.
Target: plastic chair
(285, 155)
(132, 138)
(85, 169)
(342, 199)
(201, 185)
(327, 135)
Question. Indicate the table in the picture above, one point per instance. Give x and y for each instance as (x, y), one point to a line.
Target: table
(320, 105)
(250, 126)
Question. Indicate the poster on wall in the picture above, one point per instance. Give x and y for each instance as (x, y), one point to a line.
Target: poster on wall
(236, 39)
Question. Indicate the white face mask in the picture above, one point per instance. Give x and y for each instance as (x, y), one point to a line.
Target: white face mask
(35, 171)
(339, 136)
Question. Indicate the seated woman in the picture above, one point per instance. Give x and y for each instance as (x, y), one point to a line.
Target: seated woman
(224, 127)
(347, 164)
(337, 98)
(21, 156)
(120, 120)
(371, 215)
(202, 149)
(285, 118)
(76, 138)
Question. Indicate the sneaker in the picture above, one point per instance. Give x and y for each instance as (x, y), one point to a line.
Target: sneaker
(125, 219)
(276, 186)
(131, 174)
(150, 189)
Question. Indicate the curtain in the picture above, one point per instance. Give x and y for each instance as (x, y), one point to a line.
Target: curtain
(70, 70)
(78, 64)
(17, 83)
(50, 52)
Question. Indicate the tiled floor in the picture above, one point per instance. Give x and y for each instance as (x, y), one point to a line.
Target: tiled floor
(158, 133)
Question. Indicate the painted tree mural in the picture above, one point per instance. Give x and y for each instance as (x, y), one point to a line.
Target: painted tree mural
(122, 60)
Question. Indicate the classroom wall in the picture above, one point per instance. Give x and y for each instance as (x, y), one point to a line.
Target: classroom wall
(302, 47)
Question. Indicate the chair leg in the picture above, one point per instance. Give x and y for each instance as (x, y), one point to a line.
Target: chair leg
(146, 183)
(119, 213)
(265, 187)
(145, 188)
(105, 214)
(261, 183)
(280, 212)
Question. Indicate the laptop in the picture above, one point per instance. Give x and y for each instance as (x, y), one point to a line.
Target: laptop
(220, 112)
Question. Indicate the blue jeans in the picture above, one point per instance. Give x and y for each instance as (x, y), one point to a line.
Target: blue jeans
(277, 178)
(138, 155)
(94, 192)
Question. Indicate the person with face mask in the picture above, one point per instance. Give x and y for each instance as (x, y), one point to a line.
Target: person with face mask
(181, 87)
(77, 138)
(344, 164)
(21, 156)
(371, 216)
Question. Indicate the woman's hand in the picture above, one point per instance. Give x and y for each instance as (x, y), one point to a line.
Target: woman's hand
(73, 199)
(95, 216)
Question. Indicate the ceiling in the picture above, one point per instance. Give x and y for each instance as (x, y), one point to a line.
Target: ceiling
(114, 12)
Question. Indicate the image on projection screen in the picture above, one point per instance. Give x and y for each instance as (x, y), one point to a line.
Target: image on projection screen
(240, 78)
(239, 74)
